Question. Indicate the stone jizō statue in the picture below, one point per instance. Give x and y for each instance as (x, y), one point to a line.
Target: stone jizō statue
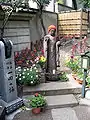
(50, 49)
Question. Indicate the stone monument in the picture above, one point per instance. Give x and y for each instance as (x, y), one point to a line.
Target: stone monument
(8, 91)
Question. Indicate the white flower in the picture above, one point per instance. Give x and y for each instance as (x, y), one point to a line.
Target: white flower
(33, 65)
(24, 69)
(36, 70)
(27, 73)
(19, 70)
(37, 61)
(37, 58)
(19, 78)
(23, 73)
(19, 67)
(16, 68)
(31, 82)
(31, 76)
(27, 68)
(20, 75)
(36, 75)
(30, 69)
(23, 76)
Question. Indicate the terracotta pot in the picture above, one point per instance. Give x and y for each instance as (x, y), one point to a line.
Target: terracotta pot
(36, 110)
(74, 76)
(79, 81)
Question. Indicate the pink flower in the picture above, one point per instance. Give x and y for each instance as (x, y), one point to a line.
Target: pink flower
(36, 94)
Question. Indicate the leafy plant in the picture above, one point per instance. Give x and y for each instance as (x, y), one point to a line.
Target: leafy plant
(63, 76)
(73, 63)
(37, 101)
(88, 81)
(80, 74)
(86, 3)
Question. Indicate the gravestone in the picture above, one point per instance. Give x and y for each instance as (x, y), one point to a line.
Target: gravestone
(8, 91)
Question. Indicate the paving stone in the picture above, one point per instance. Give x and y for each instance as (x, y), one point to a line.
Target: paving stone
(64, 114)
(84, 101)
(27, 115)
(82, 112)
(61, 101)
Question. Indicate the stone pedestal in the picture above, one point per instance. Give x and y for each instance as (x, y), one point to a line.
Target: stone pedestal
(52, 77)
(43, 79)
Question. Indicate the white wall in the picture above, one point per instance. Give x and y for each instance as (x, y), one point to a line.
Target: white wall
(50, 7)
(69, 3)
(32, 4)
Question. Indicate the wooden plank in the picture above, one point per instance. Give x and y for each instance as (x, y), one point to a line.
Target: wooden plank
(66, 22)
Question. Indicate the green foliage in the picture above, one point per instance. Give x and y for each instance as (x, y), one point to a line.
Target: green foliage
(86, 3)
(60, 1)
(88, 81)
(37, 101)
(80, 74)
(63, 76)
(42, 3)
(73, 64)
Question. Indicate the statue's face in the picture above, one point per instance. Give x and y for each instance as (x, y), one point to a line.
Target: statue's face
(52, 32)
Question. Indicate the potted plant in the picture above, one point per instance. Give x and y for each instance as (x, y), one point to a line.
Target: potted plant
(37, 103)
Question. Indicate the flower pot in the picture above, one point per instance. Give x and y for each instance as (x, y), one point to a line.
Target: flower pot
(36, 110)
(79, 81)
(43, 109)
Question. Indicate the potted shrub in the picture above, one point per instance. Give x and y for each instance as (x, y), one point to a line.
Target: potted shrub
(38, 102)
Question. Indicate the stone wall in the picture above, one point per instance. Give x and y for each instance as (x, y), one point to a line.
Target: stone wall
(23, 27)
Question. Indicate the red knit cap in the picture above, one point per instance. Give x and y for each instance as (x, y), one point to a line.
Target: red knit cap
(51, 27)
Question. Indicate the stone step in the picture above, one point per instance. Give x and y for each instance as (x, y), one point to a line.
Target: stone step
(53, 88)
(60, 101)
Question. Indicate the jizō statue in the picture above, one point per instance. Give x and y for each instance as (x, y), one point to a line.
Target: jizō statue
(50, 48)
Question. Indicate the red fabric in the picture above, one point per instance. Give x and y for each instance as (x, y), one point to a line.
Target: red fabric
(51, 27)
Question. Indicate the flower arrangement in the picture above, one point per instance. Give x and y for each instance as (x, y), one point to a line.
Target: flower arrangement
(73, 63)
(28, 66)
(26, 58)
(27, 76)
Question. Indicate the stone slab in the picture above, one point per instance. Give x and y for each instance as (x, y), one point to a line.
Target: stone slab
(27, 115)
(82, 112)
(64, 114)
(54, 88)
(61, 101)
(84, 101)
